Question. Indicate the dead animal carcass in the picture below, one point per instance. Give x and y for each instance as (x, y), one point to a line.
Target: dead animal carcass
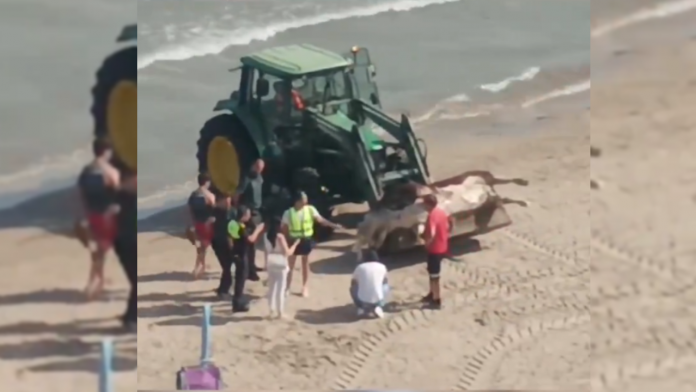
(470, 199)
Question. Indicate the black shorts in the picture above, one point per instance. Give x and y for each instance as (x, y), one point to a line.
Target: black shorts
(304, 248)
(435, 264)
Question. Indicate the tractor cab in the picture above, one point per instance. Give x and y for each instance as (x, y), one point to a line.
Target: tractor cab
(278, 84)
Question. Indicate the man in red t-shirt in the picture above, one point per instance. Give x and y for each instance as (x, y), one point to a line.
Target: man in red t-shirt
(436, 235)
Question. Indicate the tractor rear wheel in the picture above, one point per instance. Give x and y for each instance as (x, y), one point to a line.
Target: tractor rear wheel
(115, 106)
(225, 152)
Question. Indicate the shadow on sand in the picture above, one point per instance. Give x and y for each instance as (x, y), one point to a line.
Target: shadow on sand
(75, 346)
(187, 309)
(59, 296)
(341, 314)
(53, 212)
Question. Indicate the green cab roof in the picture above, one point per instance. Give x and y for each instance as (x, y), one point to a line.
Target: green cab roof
(295, 60)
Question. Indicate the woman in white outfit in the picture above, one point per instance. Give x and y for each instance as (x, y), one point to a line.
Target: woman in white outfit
(277, 251)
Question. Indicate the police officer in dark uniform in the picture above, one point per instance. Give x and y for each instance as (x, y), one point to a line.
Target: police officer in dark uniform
(241, 238)
(250, 195)
(220, 243)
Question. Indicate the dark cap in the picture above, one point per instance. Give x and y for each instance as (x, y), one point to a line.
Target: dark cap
(370, 255)
(101, 145)
(298, 196)
(203, 178)
(430, 200)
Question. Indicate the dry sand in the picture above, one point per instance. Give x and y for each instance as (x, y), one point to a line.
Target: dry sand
(533, 276)
(49, 335)
(516, 315)
(643, 230)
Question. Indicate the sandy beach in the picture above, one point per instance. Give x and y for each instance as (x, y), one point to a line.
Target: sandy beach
(643, 252)
(521, 313)
(517, 313)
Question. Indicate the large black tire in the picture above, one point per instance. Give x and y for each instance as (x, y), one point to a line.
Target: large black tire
(120, 67)
(229, 127)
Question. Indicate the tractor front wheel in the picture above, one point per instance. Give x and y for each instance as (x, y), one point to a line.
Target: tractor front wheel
(225, 152)
(115, 106)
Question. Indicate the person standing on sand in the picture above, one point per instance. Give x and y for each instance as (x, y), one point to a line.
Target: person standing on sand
(298, 225)
(241, 238)
(221, 245)
(250, 194)
(97, 185)
(369, 286)
(436, 236)
(200, 204)
(126, 244)
(277, 251)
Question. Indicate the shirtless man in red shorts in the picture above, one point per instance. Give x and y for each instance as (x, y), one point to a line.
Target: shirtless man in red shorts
(97, 184)
(201, 203)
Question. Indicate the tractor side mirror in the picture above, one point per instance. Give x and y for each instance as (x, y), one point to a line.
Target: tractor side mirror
(373, 70)
(262, 87)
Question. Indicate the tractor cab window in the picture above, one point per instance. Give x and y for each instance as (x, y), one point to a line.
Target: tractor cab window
(324, 91)
(266, 98)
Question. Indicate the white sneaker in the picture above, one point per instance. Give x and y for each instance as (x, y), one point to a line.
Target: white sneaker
(379, 312)
(361, 312)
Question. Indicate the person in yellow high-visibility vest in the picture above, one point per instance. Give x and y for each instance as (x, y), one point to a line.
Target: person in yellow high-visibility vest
(298, 225)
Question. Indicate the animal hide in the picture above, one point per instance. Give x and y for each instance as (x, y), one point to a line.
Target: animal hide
(471, 193)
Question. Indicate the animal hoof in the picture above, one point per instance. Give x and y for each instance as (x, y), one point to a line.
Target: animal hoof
(521, 182)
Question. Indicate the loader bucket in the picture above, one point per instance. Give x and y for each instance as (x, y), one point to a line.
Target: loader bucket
(484, 219)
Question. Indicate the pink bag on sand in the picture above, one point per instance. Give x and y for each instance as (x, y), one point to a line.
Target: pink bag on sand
(204, 376)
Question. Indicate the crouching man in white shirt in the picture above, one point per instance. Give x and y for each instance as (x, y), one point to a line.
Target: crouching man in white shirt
(369, 287)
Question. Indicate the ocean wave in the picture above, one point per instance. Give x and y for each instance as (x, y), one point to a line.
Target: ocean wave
(663, 10)
(525, 76)
(215, 45)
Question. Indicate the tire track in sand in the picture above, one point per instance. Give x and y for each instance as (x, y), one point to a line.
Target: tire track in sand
(611, 376)
(490, 286)
(608, 247)
(537, 246)
(480, 362)
(670, 335)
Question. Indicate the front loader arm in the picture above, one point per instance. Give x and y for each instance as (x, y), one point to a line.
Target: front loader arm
(366, 170)
(403, 133)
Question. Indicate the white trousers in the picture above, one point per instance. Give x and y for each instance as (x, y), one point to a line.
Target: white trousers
(277, 284)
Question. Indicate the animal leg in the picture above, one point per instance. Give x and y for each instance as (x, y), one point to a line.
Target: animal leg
(519, 202)
(516, 181)
(379, 238)
(492, 180)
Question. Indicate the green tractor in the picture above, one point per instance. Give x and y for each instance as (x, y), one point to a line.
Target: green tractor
(115, 100)
(316, 119)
